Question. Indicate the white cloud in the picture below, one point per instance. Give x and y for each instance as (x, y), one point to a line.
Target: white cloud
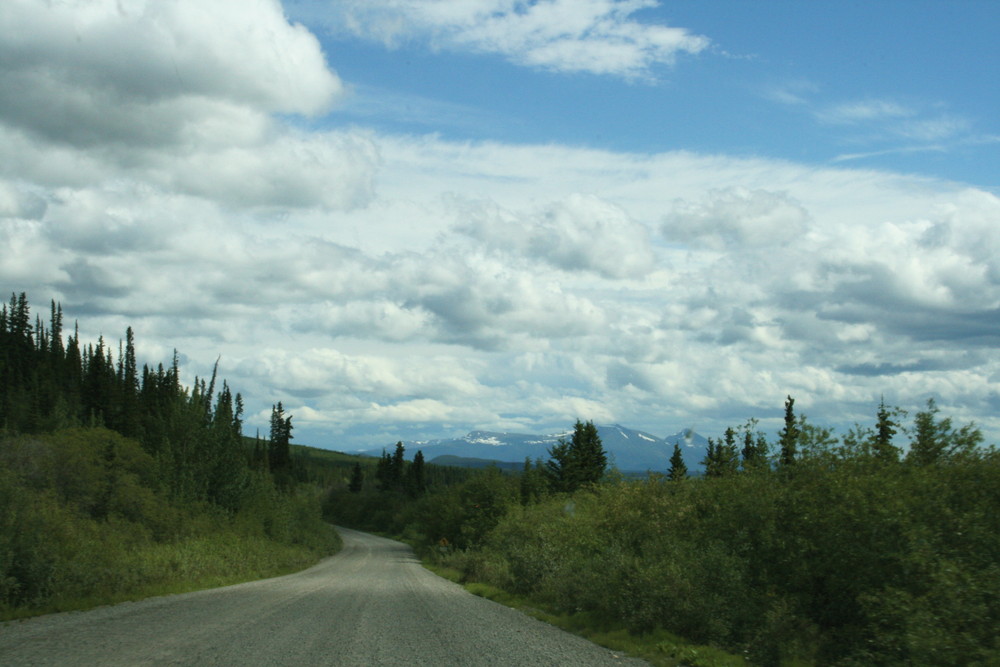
(178, 94)
(865, 111)
(578, 233)
(595, 36)
(737, 218)
(144, 52)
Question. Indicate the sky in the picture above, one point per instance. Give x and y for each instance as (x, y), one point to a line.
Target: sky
(409, 219)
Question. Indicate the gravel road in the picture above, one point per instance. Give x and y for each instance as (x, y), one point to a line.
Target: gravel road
(371, 604)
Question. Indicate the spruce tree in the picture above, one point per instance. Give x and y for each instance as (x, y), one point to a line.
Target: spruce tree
(789, 437)
(579, 462)
(755, 447)
(678, 469)
(558, 467)
(722, 458)
(279, 446)
(398, 468)
(885, 429)
(591, 459)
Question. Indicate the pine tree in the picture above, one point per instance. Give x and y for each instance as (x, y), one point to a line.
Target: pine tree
(557, 468)
(885, 429)
(678, 469)
(579, 462)
(722, 458)
(279, 446)
(755, 446)
(391, 469)
(397, 467)
(591, 458)
(789, 437)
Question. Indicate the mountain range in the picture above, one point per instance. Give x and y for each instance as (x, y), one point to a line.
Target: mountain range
(628, 450)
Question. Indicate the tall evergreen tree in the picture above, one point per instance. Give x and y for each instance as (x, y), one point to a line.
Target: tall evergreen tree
(755, 448)
(391, 469)
(589, 452)
(789, 436)
(885, 429)
(279, 445)
(722, 458)
(579, 462)
(398, 468)
(678, 469)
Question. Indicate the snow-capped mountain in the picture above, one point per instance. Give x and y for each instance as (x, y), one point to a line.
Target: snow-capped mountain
(628, 450)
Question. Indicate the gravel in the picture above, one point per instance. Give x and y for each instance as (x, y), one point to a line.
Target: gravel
(371, 604)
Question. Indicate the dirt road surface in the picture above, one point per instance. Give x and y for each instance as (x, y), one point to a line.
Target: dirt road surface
(371, 604)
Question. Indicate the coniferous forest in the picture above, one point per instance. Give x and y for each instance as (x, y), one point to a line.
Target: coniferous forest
(118, 482)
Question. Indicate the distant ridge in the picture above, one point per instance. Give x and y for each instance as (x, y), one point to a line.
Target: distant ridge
(629, 450)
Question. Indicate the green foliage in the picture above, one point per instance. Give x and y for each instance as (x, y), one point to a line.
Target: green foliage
(678, 469)
(533, 483)
(755, 449)
(279, 449)
(935, 440)
(789, 437)
(103, 468)
(83, 520)
(357, 479)
(722, 457)
(579, 462)
(847, 557)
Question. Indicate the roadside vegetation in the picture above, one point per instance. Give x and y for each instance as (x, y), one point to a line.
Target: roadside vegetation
(119, 483)
(815, 549)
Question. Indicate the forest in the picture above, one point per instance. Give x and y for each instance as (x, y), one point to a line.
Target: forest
(877, 547)
(118, 482)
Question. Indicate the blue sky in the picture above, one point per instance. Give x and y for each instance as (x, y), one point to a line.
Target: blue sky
(905, 86)
(410, 219)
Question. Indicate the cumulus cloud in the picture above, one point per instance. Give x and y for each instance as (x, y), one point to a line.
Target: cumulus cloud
(737, 218)
(483, 303)
(578, 233)
(181, 95)
(82, 56)
(594, 36)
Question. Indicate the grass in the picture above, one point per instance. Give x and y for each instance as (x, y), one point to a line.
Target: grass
(659, 648)
(192, 564)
